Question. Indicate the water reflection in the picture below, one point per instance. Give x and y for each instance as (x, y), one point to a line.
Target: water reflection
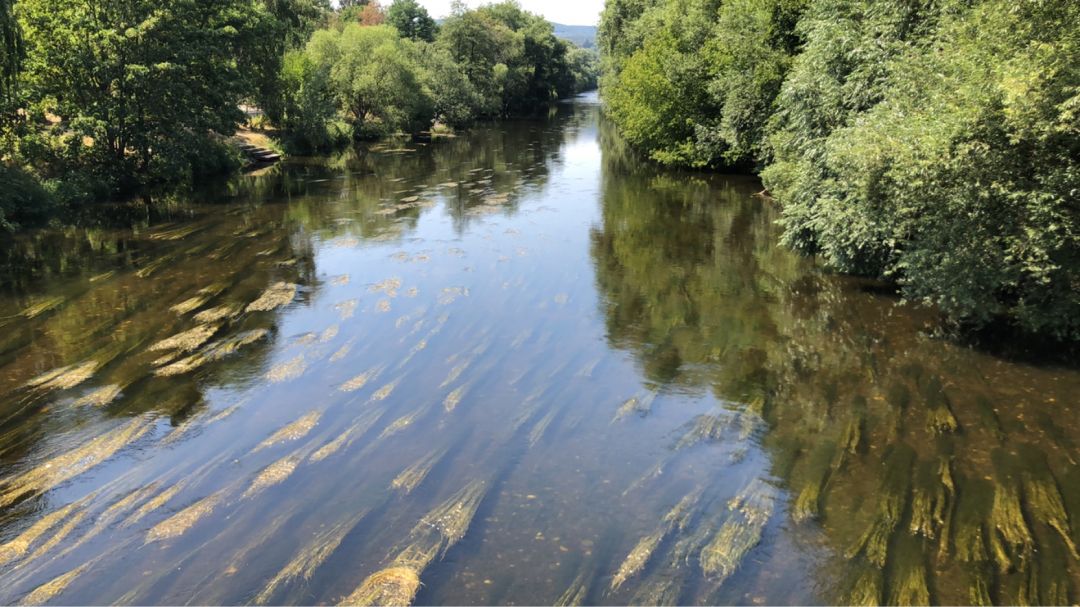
(517, 366)
(927, 471)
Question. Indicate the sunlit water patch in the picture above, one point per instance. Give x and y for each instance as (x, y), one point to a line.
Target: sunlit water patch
(517, 366)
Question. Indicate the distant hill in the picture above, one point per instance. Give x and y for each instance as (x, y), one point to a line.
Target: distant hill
(581, 35)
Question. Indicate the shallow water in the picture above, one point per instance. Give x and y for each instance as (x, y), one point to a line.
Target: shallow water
(518, 366)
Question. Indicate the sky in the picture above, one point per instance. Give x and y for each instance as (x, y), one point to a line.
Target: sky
(568, 12)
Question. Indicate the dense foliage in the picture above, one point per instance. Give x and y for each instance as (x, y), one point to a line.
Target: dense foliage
(407, 74)
(933, 143)
(116, 97)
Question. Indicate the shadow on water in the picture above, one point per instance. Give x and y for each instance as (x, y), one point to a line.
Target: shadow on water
(515, 366)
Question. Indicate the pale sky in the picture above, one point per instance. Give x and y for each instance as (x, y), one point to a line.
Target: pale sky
(569, 12)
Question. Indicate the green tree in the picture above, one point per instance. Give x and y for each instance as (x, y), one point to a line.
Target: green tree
(139, 85)
(11, 48)
(411, 20)
(375, 77)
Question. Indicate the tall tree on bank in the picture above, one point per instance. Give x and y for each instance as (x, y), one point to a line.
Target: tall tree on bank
(411, 20)
(11, 47)
(140, 84)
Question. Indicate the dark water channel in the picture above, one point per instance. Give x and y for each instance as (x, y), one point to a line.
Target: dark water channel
(515, 367)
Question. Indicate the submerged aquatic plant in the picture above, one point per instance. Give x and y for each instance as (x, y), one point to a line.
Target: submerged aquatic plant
(635, 406)
(411, 477)
(454, 398)
(892, 497)
(452, 518)
(750, 512)
(279, 294)
(100, 397)
(361, 380)
(41, 307)
(212, 352)
(356, 430)
(20, 544)
(64, 378)
(576, 593)
(866, 586)
(273, 474)
(702, 428)
(677, 518)
(178, 524)
(907, 572)
(70, 464)
(47, 591)
(385, 391)
(217, 313)
(393, 586)
(540, 428)
(288, 370)
(638, 557)
(187, 340)
(293, 431)
(304, 564)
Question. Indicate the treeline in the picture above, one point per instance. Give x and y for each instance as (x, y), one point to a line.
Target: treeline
(935, 143)
(117, 97)
(398, 71)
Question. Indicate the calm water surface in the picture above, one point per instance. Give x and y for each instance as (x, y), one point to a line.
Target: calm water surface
(515, 367)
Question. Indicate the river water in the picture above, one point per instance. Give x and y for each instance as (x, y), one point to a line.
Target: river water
(515, 367)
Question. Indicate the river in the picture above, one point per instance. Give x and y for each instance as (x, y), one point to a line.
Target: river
(518, 366)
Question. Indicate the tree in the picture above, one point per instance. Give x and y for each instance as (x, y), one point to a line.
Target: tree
(140, 84)
(375, 77)
(411, 20)
(11, 47)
